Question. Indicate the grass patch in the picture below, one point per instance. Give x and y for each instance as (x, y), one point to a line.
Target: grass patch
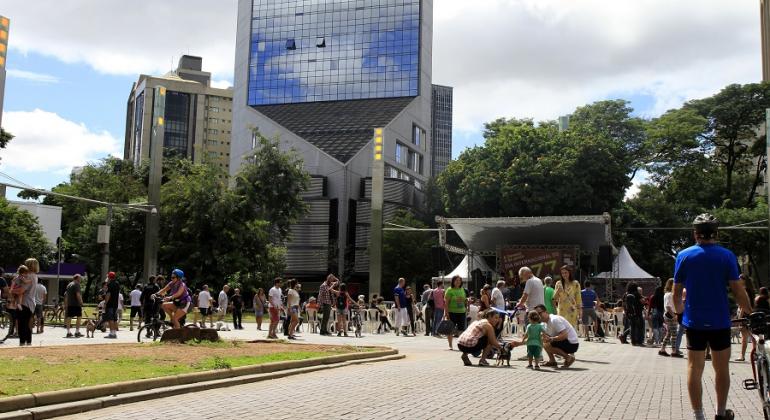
(26, 374)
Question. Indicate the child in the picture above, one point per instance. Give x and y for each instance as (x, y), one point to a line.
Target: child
(17, 290)
(384, 321)
(532, 336)
(343, 298)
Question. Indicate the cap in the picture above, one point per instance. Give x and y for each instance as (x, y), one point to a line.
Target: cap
(111, 275)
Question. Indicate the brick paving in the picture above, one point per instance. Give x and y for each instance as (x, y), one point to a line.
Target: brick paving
(609, 381)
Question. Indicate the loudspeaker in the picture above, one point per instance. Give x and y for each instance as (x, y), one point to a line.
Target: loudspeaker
(604, 261)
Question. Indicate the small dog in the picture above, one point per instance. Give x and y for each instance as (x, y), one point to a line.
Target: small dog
(221, 326)
(90, 326)
(504, 355)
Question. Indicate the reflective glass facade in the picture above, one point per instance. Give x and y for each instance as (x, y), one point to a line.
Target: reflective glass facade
(176, 122)
(330, 50)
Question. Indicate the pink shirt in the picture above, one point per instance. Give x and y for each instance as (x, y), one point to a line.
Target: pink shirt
(438, 298)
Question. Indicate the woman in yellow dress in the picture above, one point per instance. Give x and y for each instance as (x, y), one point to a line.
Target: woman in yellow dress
(567, 296)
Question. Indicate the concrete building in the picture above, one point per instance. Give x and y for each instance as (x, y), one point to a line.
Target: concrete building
(321, 76)
(49, 218)
(198, 117)
(441, 132)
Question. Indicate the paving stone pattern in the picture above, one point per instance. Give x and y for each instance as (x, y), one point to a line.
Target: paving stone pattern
(608, 381)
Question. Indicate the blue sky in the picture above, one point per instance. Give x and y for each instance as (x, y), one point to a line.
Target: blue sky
(71, 64)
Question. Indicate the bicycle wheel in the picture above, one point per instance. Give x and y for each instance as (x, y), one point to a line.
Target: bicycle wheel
(3, 320)
(763, 375)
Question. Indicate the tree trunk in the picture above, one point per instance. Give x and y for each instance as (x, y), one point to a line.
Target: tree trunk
(761, 165)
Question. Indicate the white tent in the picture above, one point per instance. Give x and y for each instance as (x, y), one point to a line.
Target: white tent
(624, 267)
(462, 269)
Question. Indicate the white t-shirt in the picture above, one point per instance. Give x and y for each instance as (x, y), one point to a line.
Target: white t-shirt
(668, 302)
(473, 312)
(222, 300)
(136, 297)
(535, 292)
(556, 324)
(120, 301)
(40, 292)
(204, 299)
(274, 296)
(292, 298)
(498, 300)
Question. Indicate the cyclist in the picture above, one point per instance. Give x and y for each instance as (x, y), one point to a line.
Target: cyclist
(705, 269)
(177, 303)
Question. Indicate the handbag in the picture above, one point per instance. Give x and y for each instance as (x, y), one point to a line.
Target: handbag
(445, 327)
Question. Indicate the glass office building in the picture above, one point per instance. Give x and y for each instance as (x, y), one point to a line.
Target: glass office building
(313, 50)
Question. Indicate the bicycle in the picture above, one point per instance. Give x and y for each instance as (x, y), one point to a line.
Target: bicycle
(3, 315)
(154, 329)
(757, 324)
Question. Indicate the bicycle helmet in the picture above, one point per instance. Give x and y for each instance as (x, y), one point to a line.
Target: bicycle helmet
(705, 225)
(178, 273)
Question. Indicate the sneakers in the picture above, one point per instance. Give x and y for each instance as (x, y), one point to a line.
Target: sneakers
(111, 336)
(466, 360)
(78, 334)
(678, 355)
(568, 362)
(69, 335)
(663, 353)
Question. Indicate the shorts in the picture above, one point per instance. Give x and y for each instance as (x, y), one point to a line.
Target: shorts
(534, 351)
(459, 320)
(259, 314)
(136, 311)
(39, 310)
(477, 349)
(73, 312)
(589, 316)
(294, 310)
(565, 346)
(182, 306)
(341, 311)
(698, 340)
(274, 315)
(205, 311)
(110, 314)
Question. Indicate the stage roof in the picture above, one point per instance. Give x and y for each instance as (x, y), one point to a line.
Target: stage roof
(587, 232)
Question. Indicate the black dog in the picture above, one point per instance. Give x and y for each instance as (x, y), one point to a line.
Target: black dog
(504, 354)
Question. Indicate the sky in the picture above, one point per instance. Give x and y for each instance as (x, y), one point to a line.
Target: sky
(71, 63)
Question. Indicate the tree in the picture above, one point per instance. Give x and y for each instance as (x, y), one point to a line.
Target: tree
(22, 237)
(528, 170)
(406, 253)
(5, 137)
(270, 185)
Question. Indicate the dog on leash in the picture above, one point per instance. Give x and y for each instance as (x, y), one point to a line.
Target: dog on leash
(735, 335)
(221, 326)
(504, 355)
(90, 326)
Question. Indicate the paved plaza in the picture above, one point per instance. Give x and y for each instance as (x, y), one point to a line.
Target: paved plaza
(609, 381)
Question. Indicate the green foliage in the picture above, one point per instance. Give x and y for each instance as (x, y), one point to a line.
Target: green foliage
(270, 185)
(5, 137)
(406, 254)
(22, 237)
(528, 170)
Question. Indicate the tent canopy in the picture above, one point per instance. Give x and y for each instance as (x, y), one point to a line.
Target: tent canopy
(462, 268)
(624, 267)
(588, 232)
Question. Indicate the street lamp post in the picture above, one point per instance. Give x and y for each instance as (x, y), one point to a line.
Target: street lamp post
(375, 231)
(156, 175)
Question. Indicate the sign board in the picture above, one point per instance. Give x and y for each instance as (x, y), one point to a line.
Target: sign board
(103, 235)
(545, 261)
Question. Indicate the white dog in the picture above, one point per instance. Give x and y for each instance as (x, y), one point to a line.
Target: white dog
(221, 326)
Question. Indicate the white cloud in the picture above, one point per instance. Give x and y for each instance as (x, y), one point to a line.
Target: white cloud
(44, 142)
(221, 84)
(543, 58)
(127, 37)
(32, 76)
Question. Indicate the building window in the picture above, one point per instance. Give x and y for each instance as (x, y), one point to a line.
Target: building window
(402, 154)
(320, 42)
(415, 162)
(291, 44)
(213, 109)
(419, 137)
(175, 136)
(213, 131)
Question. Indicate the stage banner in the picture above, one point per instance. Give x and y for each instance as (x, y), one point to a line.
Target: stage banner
(543, 261)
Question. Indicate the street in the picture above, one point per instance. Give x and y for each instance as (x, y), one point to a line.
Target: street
(609, 381)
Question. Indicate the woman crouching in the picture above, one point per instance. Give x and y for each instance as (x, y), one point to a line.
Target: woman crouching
(479, 338)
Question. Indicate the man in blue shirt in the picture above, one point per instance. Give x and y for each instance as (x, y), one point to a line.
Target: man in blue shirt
(399, 298)
(705, 270)
(588, 311)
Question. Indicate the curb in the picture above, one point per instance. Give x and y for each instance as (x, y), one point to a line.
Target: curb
(72, 401)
